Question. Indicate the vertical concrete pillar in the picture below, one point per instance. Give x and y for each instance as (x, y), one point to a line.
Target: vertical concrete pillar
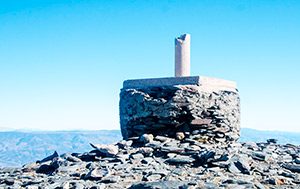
(182, 55)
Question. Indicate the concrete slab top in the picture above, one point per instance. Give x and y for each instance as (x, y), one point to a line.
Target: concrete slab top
(170, 81)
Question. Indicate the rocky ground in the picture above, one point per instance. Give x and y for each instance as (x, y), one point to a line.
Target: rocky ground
(161, 162)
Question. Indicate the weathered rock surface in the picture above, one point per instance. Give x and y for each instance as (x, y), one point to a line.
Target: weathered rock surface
(211, 116)
(163, 162)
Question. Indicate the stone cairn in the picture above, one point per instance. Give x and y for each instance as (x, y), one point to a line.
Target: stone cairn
(179, 133)
(198, 109)
(201, 108)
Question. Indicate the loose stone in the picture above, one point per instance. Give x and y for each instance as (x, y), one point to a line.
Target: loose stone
(180, 135)
(292, 167)
(146, 138)
(180, 159)
(97, 174)
(108, 150)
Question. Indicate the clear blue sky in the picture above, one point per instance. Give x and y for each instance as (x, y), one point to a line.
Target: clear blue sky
(62, 63)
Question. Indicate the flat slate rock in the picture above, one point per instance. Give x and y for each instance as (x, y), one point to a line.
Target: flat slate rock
(160, 185)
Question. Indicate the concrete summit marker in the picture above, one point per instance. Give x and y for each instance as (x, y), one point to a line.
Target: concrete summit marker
(208, 82)
(182, 71)
(201, 108)
(182, 55)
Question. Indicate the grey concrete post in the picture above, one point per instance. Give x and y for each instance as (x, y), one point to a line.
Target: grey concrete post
(182, 55)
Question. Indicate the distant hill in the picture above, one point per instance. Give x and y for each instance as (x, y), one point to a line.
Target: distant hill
(20, 147)
(261, 136)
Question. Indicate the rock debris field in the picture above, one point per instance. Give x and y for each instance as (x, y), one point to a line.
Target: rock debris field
(161, 162)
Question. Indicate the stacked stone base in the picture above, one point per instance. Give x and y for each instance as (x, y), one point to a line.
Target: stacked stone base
(205, 114)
